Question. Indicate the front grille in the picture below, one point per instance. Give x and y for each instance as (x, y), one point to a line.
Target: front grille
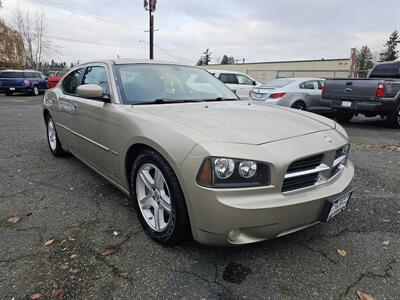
(305, 164)
(339, 152)
(335, 170)
(296, 183)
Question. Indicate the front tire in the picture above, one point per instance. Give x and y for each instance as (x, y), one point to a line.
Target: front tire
(9, 94)
(158, 199)
(52, 138)
(393, 120)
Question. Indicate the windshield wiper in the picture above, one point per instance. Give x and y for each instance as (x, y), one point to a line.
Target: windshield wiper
(220, 99)
(166, 100)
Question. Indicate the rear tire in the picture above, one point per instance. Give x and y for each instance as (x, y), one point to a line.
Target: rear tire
(52, 138)
(393, 120)
(155, 199)
(343, 117)
(35, 91)
(300, 105)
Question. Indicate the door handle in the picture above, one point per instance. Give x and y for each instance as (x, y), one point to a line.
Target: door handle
(75, 106)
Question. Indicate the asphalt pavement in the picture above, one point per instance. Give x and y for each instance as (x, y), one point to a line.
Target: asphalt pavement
(66, 233)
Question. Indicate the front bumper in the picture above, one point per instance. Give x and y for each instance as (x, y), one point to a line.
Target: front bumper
(384, 105)
(246, 215)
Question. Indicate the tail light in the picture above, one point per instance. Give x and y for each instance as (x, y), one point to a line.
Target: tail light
(380, 90)
(26, 82)
(323, 89)
(276, 95)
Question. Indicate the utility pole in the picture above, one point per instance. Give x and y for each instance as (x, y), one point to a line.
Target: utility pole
(150, 5)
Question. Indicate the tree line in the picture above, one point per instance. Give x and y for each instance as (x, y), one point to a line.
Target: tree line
(365, 59)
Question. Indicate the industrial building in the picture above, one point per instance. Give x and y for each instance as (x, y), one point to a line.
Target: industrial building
(266, 71)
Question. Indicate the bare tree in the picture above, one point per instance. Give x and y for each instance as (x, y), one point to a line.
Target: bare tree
(33, 29)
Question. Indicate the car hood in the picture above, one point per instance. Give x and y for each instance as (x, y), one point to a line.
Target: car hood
(238, 121)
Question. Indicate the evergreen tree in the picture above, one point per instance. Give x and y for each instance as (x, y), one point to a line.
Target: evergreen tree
(205, 58)
(390, 52)
(364, 58)
(227, 60)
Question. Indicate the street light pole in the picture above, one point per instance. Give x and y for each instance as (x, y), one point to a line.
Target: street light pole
(150, 5)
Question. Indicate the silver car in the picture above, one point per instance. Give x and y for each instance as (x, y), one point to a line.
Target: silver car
(195, 160)
(299, 93)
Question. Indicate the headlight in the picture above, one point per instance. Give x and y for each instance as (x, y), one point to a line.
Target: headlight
(222, 172)
(223, 167)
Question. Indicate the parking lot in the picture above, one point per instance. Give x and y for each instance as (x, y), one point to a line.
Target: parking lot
(76, 236)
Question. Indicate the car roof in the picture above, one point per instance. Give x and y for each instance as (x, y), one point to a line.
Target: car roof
(20, 71)
(122, 61)
(300, 78)
(226, 71)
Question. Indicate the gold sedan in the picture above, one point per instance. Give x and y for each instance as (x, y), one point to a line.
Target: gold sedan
(195, 160)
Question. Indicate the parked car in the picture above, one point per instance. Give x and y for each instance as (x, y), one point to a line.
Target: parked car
(199, 160)
(378, 95)
(240, 83)
(54, 78)
(15, 81)
(299, 93)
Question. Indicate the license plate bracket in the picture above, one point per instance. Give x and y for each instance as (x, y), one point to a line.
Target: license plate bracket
(335, 204)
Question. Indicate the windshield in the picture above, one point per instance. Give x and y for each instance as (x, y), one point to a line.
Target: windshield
(277, 83)
(146, 83)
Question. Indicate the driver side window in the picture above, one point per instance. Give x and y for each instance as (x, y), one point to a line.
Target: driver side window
(96, 75)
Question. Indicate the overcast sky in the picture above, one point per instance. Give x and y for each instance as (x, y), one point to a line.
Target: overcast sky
(257, 30)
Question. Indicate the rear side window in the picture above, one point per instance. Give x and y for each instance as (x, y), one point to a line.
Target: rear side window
(11, 75)
(309, 85)
(228, 78)
(70, 83)
(32, 75)
(96, 75)
(388, 70)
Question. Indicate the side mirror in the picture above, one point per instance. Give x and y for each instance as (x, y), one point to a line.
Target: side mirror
(254, 82)
(91, 91)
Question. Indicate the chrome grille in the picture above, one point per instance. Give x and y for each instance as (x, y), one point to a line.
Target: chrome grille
(314, 170)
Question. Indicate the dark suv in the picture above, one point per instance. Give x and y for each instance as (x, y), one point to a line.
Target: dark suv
(15, 81)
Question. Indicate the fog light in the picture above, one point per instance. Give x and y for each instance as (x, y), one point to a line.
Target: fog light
(247, 169)
(233, 234)
(224, 167)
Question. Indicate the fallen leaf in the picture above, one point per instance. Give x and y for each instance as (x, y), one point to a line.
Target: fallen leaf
(74, 271)
(13, 220)
(57, 293)
(386, 221)
(63, 241)
(386, 243)
(115, 233)
(64, 249)
(35, 296)
(342, 252)
(108, 252)
(75, 225)
(73, 256)
(49, 242)
(364, 296)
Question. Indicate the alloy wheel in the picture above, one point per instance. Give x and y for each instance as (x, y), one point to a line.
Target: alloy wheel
(153, 197)
(51, 134)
